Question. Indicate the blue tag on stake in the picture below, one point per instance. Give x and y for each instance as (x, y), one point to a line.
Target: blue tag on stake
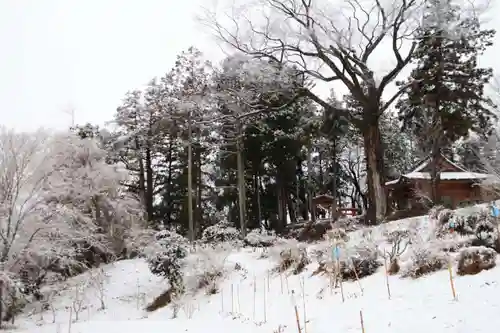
(495, 211)
(336, 252)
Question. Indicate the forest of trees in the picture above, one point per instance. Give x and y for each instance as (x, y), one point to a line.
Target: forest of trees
(248, 142)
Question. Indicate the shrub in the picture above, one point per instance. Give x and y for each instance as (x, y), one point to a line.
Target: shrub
(476, 259)
(295, 258)
(465, 225)
(361, 260)
(357, 261)
(221, 232)
(441, 218)
(166, 258)
(485, 232)
(161, 301)
(424, 261)
(260, 238)
(204, 269)
(399, 240)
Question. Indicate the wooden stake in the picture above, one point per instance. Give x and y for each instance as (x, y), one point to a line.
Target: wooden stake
(254, 295)
(281, 283)
(268, 280)
(222, 300)
(286, 282)
(331, 282)
(238, 297)
(362, 321)
(232, 298)
(387, 277)
(453, 292)
(340, 278)
(357, 277)
(303, 285)
(265, 303)
(297, 317)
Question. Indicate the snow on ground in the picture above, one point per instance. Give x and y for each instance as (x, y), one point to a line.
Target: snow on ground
(422, 305)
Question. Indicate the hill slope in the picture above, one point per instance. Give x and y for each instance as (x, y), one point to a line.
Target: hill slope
(422, 305)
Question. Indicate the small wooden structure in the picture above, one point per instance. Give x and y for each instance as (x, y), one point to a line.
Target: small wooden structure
(324, 204)
(457, 186)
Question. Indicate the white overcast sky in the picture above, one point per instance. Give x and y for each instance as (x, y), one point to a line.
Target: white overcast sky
(85, 54)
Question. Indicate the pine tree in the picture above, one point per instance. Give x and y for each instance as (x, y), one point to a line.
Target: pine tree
(445, 97)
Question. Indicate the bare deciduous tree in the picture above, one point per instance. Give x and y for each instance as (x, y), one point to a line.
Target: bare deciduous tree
(332, 42)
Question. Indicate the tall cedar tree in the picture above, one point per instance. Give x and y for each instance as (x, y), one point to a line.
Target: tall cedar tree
(445, 99)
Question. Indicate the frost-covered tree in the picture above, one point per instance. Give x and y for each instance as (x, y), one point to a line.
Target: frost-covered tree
(83, 182)
(330, 49)
(445, 99)
(59, 202)
(262, 132)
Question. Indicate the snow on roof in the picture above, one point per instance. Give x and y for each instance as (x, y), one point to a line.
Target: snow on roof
(446, 175)
(427, 160)
(395, 181)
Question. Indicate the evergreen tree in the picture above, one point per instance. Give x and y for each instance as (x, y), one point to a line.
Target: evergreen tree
(445, 96)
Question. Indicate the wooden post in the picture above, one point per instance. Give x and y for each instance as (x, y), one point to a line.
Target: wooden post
(339, 272)
(297, 317)
(357, 277)
(362, 321)
(232, 298)
(303, 284)
(281, 282)
(387, 277)
(254, 295)
(222, 300)
(453, 292)
(265, 303)
(238, 297)
(286, 283)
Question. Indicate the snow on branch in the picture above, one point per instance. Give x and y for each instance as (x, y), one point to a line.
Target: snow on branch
(56, 192)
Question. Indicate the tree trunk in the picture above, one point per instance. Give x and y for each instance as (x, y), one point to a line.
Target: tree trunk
(375, 173)
(149, 184)
(199, 184)
(241, 181)
(291, 209)
(168, 184)
(282, 205)
(312, 210)
(142, 180)
(1, 302)
(334, 208)
(435, 174)
(257, 193)
(190, 180)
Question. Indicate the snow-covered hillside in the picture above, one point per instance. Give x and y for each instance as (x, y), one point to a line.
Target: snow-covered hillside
(252, 298)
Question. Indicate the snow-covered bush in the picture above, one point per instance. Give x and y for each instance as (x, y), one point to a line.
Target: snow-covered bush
(166, 257)
(476, 259)
(61, 205)
(424, 260)
(440, 217)
(293, 256)
(486, 232)
(399, 241)
(357, 259)
(260, 238)
(204, 269)
(220, 232)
